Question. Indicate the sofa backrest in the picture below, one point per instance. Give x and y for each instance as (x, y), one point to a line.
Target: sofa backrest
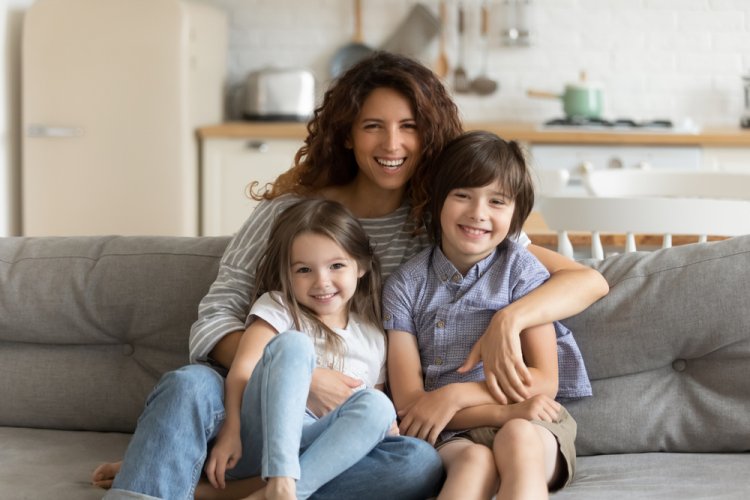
(89, 324)
(668, 352)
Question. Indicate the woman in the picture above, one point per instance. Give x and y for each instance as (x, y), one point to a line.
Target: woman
(368, 147)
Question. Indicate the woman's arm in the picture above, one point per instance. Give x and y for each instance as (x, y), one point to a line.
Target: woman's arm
(222, 312)
(228, 448)
(571, 288)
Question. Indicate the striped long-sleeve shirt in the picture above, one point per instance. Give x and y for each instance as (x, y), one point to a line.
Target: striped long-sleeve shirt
(225, 307)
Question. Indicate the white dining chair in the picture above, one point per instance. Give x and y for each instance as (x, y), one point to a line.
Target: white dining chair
(681, 183)
(635, 215)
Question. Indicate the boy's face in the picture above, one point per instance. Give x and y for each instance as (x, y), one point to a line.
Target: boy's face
(473, 222)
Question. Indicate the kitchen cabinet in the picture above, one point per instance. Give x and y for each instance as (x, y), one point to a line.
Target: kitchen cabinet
(734, 159)
(228, 167)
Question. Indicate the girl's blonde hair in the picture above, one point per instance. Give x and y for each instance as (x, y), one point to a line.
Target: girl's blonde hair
(332, 220)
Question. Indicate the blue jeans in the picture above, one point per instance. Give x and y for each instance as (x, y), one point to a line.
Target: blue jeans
(185, 411)
(280, 438)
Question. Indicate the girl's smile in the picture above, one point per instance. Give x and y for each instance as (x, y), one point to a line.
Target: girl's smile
(324, 277)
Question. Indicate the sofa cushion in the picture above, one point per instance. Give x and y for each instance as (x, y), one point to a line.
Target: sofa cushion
(88, 324)
(660, 476)
(668, 352)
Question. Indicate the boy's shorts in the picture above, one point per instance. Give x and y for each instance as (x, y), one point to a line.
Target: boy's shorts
(564, 431)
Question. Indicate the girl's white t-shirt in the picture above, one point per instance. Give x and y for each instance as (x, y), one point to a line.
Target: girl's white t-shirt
(364, 343)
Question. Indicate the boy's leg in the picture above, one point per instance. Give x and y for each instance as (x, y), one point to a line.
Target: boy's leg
(470, 469)
(340, 439)
(165, 456)
(527, 458)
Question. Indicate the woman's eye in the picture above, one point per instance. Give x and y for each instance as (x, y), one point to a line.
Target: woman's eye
(412, 126)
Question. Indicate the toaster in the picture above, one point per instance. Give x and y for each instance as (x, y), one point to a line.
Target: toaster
(278, 94)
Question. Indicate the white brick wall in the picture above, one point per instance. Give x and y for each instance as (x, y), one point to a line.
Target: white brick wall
(655, 58)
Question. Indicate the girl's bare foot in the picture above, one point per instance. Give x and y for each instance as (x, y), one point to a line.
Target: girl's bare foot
(277, 488)
(105, 474)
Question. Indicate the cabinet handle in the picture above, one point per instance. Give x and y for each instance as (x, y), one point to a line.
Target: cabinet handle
(259, 146)
(54, 131)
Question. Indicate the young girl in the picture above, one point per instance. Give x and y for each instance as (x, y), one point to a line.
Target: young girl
(318, 275)
(437, 306)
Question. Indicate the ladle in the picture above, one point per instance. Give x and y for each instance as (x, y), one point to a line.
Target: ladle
(482, 84)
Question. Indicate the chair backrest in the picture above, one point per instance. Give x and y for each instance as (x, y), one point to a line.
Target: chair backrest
(642, 215)
(550, 181)
(681, 183)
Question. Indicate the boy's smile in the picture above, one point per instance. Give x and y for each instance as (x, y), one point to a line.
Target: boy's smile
(474, 221)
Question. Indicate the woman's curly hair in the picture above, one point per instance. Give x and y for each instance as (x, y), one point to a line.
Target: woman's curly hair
(324, 160)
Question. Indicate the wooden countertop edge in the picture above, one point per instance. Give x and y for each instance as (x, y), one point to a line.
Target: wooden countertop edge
(718, 136)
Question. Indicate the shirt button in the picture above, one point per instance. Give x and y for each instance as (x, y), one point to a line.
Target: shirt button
(456, 278)
(387, 317)
(441, 324)
(438, 361)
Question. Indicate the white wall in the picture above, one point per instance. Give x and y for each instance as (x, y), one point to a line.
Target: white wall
(655, 58)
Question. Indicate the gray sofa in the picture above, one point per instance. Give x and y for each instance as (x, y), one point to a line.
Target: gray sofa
(87, 326)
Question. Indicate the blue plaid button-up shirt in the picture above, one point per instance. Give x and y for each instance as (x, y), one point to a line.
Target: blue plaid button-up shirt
(448, 312)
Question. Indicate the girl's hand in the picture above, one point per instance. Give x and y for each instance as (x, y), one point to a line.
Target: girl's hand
(393, 431)
(225, 454)
(539, 407)
(506, 375)
(329, 389)
(426, 417)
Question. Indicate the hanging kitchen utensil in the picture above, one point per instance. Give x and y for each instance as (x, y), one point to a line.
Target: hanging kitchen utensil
(483, 84)
(461, 83)
(441, 64)
(353, 52)
(580, 100)
(414, 34)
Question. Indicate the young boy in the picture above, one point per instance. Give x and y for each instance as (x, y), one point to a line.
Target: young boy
(436, 307)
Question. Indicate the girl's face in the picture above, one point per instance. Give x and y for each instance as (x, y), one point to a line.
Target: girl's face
(474, 221)
(324, 277)
(385, 140)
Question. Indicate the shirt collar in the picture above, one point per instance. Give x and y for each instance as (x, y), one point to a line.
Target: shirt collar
(447, 272)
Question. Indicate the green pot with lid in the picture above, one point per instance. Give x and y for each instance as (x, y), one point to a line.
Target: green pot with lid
(582, 99)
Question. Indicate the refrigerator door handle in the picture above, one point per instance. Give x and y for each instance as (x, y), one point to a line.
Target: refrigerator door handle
(54, 131)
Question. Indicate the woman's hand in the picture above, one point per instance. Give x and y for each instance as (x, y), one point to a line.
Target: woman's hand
(329, 389)
(506, 375)
(225, 454)
(426, 417)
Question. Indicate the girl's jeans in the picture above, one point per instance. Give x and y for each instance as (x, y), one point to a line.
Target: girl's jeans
(185, 411)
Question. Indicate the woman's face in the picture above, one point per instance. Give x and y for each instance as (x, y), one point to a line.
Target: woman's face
(385, 140)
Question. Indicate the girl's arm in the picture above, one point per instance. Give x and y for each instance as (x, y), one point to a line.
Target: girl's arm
(571, 288)
(228, 448)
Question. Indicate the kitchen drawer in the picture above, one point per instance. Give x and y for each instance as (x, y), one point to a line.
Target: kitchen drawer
(228, 167)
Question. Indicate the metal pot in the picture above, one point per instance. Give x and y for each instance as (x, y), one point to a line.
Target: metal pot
(580, 100)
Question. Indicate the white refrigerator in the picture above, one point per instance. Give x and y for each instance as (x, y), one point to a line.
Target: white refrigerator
(112, 92)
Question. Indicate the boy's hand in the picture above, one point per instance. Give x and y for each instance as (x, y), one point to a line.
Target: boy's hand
(427, 416)
(329, 389)
(224, 455)
(539, 407)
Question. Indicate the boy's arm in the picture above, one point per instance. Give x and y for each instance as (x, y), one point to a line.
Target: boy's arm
(539, 347)
(424, 414)
(228, 448)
